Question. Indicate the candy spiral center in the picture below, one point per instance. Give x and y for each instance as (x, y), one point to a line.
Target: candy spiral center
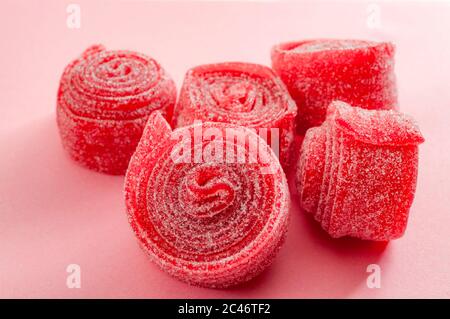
(235, 97)
(207, 191)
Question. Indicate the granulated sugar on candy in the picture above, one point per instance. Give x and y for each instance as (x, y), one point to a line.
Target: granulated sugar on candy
(317, 72)
(357, 172)
(104, 100)
(245, 94)
(211, 220)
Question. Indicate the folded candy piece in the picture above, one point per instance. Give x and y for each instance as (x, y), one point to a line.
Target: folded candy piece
(203, 205)
(245, 94)
(357, 172)
(317, 72)
(104, 100)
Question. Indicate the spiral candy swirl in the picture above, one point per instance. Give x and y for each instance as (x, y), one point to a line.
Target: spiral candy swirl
(209, 222)
(245, 94)
(104, 100)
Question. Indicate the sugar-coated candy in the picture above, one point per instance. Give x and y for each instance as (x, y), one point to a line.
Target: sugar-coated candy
(104, 100)
(207, 208)
(357, 172)
(317, 72)
(245, 94)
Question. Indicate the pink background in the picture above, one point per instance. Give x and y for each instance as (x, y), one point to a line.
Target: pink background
(54, 213)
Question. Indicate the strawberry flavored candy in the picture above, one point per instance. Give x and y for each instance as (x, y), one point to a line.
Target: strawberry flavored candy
(245, 94)
(317, 72)
(357, 172)
(104, 100)
(205, 208)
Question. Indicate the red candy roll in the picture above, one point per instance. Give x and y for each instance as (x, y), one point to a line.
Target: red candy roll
(104, 100)
(357, 172)
(206, 208)
(317, 72)
(245, 94)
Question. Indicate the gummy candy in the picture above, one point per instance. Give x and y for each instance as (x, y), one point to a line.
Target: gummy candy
(357, 172)
(104, 100)
(245, 94)
(317, 72)
(208, 220)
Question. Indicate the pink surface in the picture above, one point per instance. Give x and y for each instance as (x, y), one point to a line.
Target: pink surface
(54, 213)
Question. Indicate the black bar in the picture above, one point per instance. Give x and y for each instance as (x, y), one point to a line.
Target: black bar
(231, 308)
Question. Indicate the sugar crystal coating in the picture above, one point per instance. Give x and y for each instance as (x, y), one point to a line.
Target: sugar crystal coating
(205, 220)
(245, 94)
(104, 100)
(317, 72)
(357, 172)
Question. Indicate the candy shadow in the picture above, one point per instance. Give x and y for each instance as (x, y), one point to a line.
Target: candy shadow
(39, 179)
(311, 264)
(328, 267)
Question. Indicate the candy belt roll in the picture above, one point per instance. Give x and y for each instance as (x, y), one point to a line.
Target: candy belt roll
(317, 72)
(204, 207)
(357, 172)
(104, 100)
(245, 94)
